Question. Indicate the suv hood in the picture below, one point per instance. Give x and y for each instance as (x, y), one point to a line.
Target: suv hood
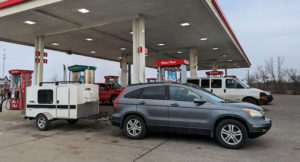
(241, 105)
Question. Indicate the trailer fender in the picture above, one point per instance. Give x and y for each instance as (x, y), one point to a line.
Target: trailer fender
(48, 115)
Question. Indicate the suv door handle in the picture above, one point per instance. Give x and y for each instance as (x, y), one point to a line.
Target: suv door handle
(57, 101)
(224, 90)
(211, 90)
(142, 103)
(174, 104)
(31, 101)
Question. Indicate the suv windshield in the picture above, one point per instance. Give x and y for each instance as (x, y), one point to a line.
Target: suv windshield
(243, 83)
(207, 93)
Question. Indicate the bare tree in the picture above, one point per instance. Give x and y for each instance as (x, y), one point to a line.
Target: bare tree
(270, 68)
(263, 74)
(280, 69)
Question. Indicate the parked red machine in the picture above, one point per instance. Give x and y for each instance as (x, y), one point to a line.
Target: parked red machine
(20, 79)
(109, 90)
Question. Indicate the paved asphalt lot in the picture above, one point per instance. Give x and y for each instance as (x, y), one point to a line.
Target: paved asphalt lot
(90, 141)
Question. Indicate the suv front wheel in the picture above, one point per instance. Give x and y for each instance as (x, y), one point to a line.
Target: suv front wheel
(231, 133)
(134, 127)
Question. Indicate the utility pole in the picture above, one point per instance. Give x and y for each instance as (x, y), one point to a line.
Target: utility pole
(3, 62)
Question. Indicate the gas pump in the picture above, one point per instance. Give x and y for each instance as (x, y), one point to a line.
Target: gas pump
(215, 74)
(84, 74)
(172, 66)
(20, 79)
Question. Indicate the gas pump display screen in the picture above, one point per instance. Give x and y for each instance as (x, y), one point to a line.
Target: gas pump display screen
(172, 76)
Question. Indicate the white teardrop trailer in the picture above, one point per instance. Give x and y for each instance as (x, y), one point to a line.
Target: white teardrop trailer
(69, 101)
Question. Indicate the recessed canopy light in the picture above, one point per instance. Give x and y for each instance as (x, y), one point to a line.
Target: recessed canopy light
(238, 66)
(119, 58)
(161, 44)
(229, 60)
(89, 39)
(224, 55)
(55, 44)
(185, 24)
(234, 64)
(179, 52)
(93, 51)
(122, 49)
(83, 10)
(215, 48)
(29, 22)
(131, 32)
(203, 39)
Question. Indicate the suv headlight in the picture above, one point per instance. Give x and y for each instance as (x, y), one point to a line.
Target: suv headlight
(253, 113)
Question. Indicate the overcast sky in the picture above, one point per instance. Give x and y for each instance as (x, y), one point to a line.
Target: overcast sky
(265, 28)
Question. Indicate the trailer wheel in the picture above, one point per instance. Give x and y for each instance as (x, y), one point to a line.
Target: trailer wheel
(72, 121)
(42, 122)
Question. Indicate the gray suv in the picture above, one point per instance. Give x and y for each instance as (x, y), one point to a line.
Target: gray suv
(189, 109)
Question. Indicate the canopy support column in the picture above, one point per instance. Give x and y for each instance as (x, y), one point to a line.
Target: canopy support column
(39, 59)
(138, 35)
(193, 62)
(124, 71)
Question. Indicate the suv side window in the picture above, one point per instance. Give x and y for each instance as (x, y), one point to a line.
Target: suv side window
(216, 83)
(182, 94)
(45, 96)
(134, 94)
(154, 93)
(205, 83)
(231, 83)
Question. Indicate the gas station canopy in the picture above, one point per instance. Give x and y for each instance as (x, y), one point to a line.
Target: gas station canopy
(102, 29)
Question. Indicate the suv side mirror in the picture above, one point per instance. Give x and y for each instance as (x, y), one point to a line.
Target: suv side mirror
(199, 101)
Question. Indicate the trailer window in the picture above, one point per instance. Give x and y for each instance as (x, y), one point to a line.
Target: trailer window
(216, 83)
(45, 96)
(205, 83)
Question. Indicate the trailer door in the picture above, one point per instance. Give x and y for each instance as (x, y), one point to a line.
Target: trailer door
(62, 102)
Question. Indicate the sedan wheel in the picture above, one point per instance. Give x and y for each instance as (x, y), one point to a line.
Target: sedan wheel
(134, 127)
(231, 133)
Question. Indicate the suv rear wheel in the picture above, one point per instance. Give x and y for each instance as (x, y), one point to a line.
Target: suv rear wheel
(231, 133)
(134, 127)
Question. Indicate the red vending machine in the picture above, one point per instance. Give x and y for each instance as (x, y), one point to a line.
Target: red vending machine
(20, 79)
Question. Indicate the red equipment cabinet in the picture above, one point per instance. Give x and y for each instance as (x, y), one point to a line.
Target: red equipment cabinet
(20, 79)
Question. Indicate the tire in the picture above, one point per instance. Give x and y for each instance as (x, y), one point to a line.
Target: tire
(42, 122)
(250, 100)
(231, 133)
(113, 99)
(72, 121)
(139, 128)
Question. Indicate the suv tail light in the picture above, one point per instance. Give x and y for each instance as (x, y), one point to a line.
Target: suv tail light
(116, 101)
